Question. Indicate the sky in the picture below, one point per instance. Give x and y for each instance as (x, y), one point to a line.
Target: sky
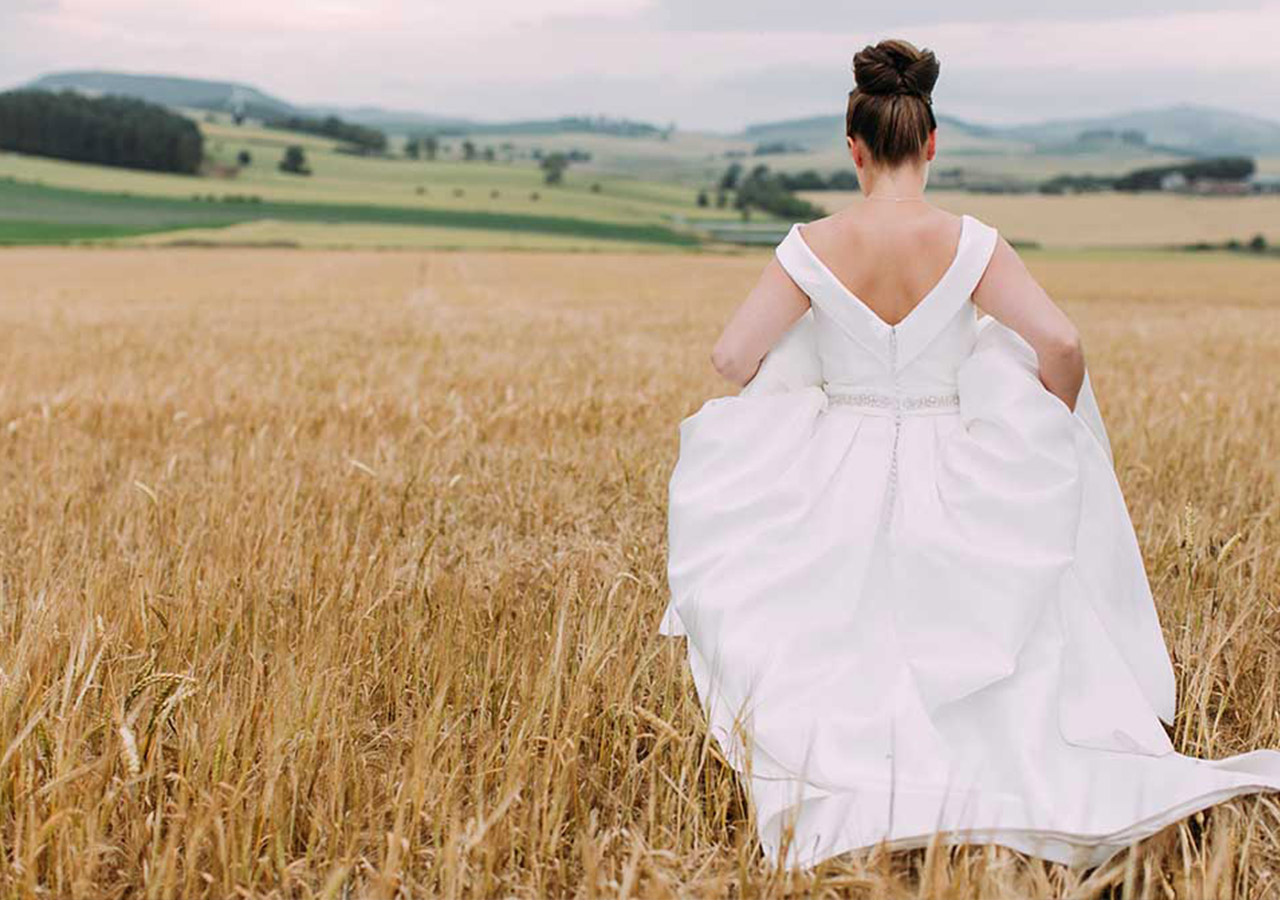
(700, 64)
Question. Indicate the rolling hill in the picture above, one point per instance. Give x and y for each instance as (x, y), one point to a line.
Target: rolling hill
(1184, 129)
(1195, 130)
(169, 90)
(227, 96)
(821, 133)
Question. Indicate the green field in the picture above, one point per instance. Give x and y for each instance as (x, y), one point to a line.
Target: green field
(633, 191)
(343, 178)
(1105, 218)
(31, 213)
(54, 201)
(360, 236)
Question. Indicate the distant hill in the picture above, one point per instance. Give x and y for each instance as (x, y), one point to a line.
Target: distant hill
(392, 120)
(812, 131)
(172, 91)
(824, 132)
(568, 125)
(1195, 130)
(1184, 129)
(420, 123)
(227, 96)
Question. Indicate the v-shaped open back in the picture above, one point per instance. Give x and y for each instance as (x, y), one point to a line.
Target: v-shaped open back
(839, 311)
(858, 301)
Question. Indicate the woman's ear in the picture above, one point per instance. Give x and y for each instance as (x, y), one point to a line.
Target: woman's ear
(855, 151)
(932, 147)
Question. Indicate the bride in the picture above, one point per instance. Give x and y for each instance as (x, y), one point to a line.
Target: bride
(913, 599)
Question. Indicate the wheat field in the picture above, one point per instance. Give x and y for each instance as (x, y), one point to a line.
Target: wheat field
(1110, 219)
(338, 574)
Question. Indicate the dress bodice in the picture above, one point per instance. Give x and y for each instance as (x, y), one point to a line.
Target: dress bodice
(920, 355)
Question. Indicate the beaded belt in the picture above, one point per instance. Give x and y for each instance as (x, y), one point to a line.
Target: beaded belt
(896, 406)
(892, 403)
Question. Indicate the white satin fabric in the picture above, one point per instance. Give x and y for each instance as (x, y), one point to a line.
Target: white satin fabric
(982, 659)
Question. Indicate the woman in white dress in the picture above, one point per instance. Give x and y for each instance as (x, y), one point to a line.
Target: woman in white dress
(912, 596)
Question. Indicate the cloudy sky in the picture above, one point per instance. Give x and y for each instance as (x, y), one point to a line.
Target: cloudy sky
(699, 63)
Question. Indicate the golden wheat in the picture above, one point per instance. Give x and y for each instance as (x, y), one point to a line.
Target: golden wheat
(338, 575)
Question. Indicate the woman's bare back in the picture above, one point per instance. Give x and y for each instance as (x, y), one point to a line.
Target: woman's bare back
(890, 260)
(888, 255)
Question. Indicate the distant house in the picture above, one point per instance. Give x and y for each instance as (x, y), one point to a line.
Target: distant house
(1216, 175)
(1177, 182)
(1265, 184)
(1220, 186)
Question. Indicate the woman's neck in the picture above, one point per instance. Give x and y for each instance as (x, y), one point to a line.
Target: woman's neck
(900, 183)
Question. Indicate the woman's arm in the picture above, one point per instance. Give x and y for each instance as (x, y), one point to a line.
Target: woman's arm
(1014, 298)
(773, 306)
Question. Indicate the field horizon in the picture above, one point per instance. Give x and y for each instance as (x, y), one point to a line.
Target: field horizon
(651, 188)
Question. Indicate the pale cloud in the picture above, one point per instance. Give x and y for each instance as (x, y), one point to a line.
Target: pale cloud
(298, 18)
(716, 64)
(818, 15)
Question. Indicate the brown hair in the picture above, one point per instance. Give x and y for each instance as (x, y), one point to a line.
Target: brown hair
(891, 108)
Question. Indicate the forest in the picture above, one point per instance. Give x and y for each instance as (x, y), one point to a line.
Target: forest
(111, 130)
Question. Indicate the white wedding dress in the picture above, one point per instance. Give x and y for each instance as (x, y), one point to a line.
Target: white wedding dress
(913, 598)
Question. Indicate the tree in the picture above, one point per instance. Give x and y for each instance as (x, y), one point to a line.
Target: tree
(703, 199)
(808, 180)
(430, 146)
(553, 166)
(468, 150)
(412, 149)
(244, 158)
(844, 180)
(295, 161)
(489, 154)
(768, 192)
(729, 180)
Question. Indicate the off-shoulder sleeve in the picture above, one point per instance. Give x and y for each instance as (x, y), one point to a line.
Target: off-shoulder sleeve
(795, 259)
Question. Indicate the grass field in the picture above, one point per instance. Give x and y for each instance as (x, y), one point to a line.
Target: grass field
(632, 191)
(342, 178)
(50, 201)
(337, 574)
(28, 210)
(321, 235)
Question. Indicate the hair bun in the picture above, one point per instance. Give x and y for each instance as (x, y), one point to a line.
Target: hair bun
(895, 67)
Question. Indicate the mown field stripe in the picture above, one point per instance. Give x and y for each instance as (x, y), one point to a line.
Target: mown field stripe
(22, 232)
(22, 202)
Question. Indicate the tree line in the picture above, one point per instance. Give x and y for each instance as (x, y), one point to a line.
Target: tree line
(767, 191)
(366, 140)
(110, 131)
(1225, 168)
(1152, 178)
